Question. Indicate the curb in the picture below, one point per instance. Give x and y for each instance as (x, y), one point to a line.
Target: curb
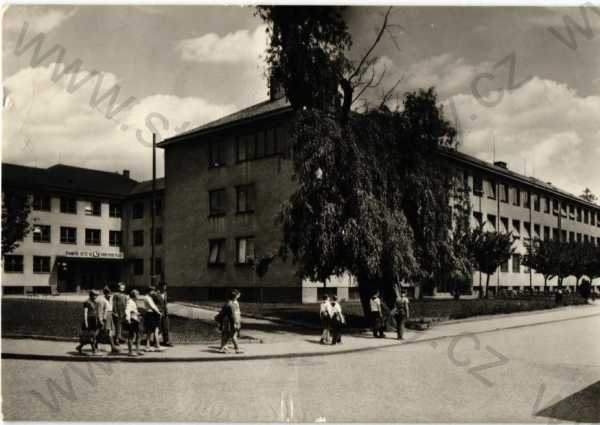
(52, 357)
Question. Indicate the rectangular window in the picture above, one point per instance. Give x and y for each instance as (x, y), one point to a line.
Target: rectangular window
(114, 210)
(115, 238)
(477, 185)
(158, 236)
(478, 218)
(41, 264)
(579, 237)
(138, 238)
(586, 239)
(216, 153)
(95, 208)
(271, 143)
(68, 235)
(41, 233)
(245, 250)
(526, 200)
(598, 219)
(516, 231)
(241, 142)
(536, 202)
(546, 233)
(563, 210)
(516, 196)
(555, 235)
(217, 203)
(245, 199)
(465, 176)
(536, 231)
(491, 221)
(216, 252)
(555, 206)
(572, 212)
(526, 230)
(92, 237)
(490, 189)
(516, 263)
(138, 210)
(592, 218)
(13, 263)
(504, 225)
(503, 193)
(157, 265)
(504, 267)
(571, 236)
(546, 202)
(68, 205)
(579, 214)
(563, 235)
(260, 145)
(586, 216)
(138, 266)
(41, 203)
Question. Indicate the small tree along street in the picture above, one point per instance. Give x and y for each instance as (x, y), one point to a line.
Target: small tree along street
(15, 211)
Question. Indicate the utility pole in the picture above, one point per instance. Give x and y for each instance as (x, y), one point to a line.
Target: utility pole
(153, 211)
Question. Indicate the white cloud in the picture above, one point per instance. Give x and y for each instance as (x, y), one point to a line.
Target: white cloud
(45, 123)
(543, 124)
(235, 47)
(39, 18)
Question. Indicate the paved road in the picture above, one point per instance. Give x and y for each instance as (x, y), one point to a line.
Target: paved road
(536, 373)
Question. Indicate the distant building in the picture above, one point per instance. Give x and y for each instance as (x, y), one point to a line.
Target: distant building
(228, 179)
(81, 235)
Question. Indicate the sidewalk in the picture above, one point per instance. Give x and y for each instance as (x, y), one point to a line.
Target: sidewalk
(299, 346)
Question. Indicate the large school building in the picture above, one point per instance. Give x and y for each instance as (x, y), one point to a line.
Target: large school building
(215, 214)
(89, 229)
(229, 178)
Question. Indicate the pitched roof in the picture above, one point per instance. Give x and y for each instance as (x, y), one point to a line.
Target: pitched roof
(260, 110)
(146, 187)
(67, 179)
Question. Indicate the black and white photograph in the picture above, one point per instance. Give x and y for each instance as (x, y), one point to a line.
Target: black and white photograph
(319, 212)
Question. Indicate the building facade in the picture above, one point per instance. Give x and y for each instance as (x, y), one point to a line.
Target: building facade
(79, 236)
(230, 177)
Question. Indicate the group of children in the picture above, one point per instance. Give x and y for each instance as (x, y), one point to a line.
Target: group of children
(332, 320)
(108, 315)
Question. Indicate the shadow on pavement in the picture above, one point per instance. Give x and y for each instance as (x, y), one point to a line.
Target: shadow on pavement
(583, 406)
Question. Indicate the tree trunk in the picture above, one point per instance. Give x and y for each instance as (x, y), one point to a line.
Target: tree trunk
(487, 282)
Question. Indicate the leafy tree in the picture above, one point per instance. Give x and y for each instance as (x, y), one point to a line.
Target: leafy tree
(541, 257)
(489, 250)
(15, 210)
(587, 195)
(593, 264)
(564, 261)
(582, 256)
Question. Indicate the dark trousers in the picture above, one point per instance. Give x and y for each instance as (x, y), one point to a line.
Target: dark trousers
(400, 320)
(164, 327)
(378, 324)
(336, 332)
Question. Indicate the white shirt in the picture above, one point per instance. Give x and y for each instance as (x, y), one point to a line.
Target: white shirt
(375, 304)
(325, 308)
(131, 311)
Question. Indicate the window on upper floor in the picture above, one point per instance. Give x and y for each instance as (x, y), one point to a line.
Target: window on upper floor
(579, 215)
(571, 236)
(546, 233)
(555, 206)
(68, 235)
(114, 210)
(536, 201)
(572, 212)
(586, 239)
(115, 238)
(68, 205)
(516, 196)
(13, 263)
(503, 192)
(477, 185)
(41, 233)
(158, 208)
(138, 238)
(258, 144)
(586, 216)
(245, 198)
(478, 218)
(93, 237)
(41, 202)
(526, 202)
(491, 222)
(217, 203)
(216, 153)
(516, 263)
(95, 208)
(216, 252)
(504, 225)
(555, 234)
(578, 237)
(158, 236)
(592, 218)
(526, 230)
(245, 250)
(489, 188)
(536, 231)
(546, 204)
(563, 235)
(138, 210)
(516, 228)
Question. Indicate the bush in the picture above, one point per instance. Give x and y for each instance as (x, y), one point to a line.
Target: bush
(585, 289)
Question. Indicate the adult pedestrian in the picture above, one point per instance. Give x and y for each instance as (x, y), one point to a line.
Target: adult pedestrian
(152, 317)
(164, 319)
(377, 316)
(401, 313)
(90, 323)
(325, 314)
(119, 303)
(230, 322)
(337, 321)
(132, 322)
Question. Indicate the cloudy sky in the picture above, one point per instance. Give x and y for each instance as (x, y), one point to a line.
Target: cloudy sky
(513, 78)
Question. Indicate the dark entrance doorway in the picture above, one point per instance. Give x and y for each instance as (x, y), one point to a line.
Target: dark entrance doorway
(81, 274)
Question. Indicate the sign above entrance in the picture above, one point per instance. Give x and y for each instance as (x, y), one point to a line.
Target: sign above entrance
(93, 254)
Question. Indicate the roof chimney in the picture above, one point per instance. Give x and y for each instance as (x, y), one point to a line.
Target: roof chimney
(501, 164)
(275, 88)
(126, 174)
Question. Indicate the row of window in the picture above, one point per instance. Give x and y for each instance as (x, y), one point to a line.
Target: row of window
(245, 200)
(69, 206)
(138, 237)
(541, 203)
(68, 235)
(259, 144)
(14, 264)
(244, 251)
(515, 227)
